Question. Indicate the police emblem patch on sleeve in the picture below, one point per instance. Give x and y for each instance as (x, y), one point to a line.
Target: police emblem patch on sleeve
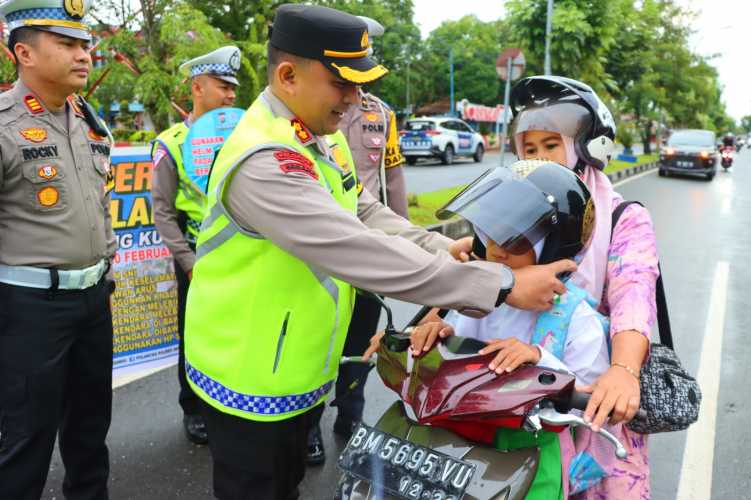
(160, 153)
(291, 162)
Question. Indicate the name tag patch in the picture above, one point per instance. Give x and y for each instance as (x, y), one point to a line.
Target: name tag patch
(373, 127)
(99, 149)
(35, 153)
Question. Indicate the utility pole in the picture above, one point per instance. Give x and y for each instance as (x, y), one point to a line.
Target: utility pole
(408, 107)
(548, 30)
(451, 64)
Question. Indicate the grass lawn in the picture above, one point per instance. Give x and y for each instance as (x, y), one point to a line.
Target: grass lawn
(616, 165)
(422, 206)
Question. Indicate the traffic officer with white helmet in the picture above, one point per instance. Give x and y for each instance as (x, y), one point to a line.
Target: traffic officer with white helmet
(179, 203)
(370, 128)
(56, 244)
(288, 235)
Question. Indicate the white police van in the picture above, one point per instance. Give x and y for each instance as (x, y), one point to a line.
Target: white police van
(440, 137)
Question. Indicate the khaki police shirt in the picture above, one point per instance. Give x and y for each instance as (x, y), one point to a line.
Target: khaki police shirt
(371, 133)
(375, 250)
(54, 187)
(164, 185)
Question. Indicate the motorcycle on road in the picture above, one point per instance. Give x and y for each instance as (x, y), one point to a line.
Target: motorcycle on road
(727, 157)
(433, 443)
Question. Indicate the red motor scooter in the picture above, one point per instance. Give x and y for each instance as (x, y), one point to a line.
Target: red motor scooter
(433, 444)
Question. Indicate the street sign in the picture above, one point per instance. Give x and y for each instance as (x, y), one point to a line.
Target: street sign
(518, 62)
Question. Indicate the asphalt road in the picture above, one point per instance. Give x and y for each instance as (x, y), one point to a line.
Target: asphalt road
(703, 235)
(431, 175)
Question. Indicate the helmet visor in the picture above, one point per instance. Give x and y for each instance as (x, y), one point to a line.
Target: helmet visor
(506, 207)
(567, 119)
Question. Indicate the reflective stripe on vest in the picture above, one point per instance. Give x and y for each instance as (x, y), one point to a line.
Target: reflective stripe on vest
(260, 405)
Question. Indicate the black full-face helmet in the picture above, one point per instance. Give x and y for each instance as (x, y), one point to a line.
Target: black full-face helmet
(520, 205)
(568, 107)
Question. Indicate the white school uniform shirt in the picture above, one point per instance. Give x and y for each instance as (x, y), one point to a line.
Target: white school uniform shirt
(585, 353)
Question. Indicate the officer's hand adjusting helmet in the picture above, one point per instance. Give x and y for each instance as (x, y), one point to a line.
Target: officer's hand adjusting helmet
(568, 107)
(518, 206)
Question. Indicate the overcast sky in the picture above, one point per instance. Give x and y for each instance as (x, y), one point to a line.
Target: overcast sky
(723, 27)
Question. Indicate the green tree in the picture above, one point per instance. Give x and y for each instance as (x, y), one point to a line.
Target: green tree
(667, 83)
(746, 123)
(154, 38)
(476, 46)
(398, 49)
(582, 33)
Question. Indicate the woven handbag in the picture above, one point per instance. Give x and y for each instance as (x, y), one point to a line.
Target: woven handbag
(669, 395)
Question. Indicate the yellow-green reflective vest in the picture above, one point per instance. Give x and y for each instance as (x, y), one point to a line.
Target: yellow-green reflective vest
(190, 199)
(264, 332)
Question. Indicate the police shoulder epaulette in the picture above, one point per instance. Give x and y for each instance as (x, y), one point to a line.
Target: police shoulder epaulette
(380, 101)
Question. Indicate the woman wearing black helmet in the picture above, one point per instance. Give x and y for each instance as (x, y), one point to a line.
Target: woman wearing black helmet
(563, 120)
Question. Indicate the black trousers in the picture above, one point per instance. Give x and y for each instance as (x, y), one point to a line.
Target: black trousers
(55, 379)
(256, 460)
(189, 402)
(350, 403)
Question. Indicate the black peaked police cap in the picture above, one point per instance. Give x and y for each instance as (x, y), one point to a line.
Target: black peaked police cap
(337, 39)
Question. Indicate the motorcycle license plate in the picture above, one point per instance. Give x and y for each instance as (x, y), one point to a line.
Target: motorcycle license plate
(404, 469)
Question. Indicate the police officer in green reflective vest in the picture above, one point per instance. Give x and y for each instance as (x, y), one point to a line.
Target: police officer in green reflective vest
(179, 204)
(288, 235)
(56, 245)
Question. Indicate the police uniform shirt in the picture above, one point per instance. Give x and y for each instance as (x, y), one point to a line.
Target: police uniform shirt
(164, 192)
(291, 208)
(54, 186)
(371, 133)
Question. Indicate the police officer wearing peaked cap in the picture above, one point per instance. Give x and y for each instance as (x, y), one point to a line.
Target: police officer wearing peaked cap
(56, 244)
(370, 128)
(179, 203)
(287, 237)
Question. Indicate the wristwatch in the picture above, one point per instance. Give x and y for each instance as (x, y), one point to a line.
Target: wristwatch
(507, 283)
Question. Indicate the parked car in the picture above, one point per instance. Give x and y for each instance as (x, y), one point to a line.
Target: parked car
(440, 137)
(689, 152)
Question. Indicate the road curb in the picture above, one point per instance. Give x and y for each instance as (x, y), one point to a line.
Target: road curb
(459, 228)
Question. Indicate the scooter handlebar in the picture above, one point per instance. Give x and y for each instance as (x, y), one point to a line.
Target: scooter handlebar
(579, 401)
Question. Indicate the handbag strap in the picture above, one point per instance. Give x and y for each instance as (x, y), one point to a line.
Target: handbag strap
(663, 319)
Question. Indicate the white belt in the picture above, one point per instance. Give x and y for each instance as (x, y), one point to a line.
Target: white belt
(36, 277)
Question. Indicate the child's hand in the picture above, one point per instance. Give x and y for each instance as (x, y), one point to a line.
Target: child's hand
(424, 336)
(375, 343)
(512, 353)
